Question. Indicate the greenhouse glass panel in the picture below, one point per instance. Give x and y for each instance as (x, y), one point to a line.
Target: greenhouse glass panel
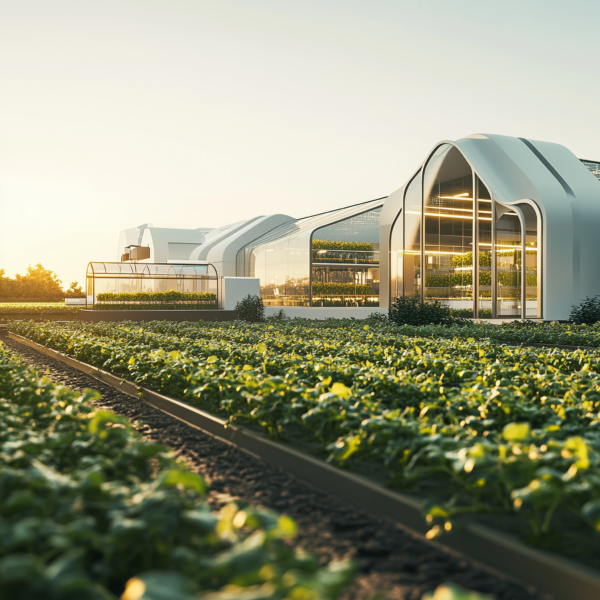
(412, 239)
(484, 223)
(532, 262)
(508, 264)
(345, 262)
(282, 258)
(121, 286)
(448, 212)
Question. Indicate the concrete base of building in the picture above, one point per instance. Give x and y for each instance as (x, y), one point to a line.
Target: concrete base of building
(321, 313)
(95, 316)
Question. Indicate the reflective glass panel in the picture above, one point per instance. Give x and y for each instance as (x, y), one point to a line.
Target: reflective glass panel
(397, 241)
(448, 253)
(411, 280)
(508, 263)
(297, 284)
(276, 273)
(532, 261)
(484, 221)
(345, 262)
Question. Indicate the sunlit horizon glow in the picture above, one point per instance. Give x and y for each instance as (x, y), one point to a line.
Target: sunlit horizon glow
(196, 113)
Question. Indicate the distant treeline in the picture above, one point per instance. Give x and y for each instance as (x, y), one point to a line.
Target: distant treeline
(37, 285)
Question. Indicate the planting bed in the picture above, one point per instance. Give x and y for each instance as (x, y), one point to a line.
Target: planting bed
(85, 506)
(474, 426)
(389, 559)
(50, 311)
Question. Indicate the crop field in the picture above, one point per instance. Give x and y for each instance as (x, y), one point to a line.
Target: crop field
(473, 426)
(34, 310)
(89, 511)
(8, 308)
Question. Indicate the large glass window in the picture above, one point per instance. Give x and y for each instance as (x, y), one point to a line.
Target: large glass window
(337, 263)
(508, 264)
(448, 253)
(484, 233)
(532, 261)
(412, 239)
(345, 262)
(453, 251)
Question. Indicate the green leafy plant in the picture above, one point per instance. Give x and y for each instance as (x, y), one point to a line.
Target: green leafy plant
(447, 412)
(10, 311)
(167, 300)
(338, 245)
(277, 317)
(251, 309)
(451, 591)
(167, 296)
(342, 289)
(466, 260)
(88, 511)
(406, 310)
(587, 312)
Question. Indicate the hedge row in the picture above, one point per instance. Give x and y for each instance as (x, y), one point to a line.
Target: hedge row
(156, 306)
(509, 279)
(342, 289)
(168, 296)
(328, 245)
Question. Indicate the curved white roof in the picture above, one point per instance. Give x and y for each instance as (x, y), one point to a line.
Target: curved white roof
(567, 195)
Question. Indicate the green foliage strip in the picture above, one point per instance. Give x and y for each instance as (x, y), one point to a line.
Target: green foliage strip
(441, 411)
(88, 508)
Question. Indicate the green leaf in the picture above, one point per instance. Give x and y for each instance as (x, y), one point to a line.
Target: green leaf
(193, 481)
(261, 348)
(591, 512)
(158, 585)
(516, 432)
(578, 447)
(339, 389)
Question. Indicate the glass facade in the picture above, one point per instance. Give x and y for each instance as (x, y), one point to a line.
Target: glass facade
(411, 260)
(593, 166)
(139, 283)
(448, 204)
(330, 259)
(345, 262)
(471, 258)
(508, 265)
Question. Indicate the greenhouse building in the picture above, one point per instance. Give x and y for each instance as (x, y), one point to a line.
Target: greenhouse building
(493, 226)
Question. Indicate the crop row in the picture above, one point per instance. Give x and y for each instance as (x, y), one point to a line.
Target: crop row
(505, 278)
(344, 289)
(155, 306)
(338, 245)
(86, 505)
(476, 427)
(167, 296)
(35, 308)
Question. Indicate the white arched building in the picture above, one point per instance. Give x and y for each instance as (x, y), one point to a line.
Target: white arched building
(530, 209)
(495, 226)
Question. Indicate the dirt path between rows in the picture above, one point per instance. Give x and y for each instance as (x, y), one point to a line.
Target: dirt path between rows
(391, 561)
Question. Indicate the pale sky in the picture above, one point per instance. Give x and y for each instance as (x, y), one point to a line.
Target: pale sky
(196, 113)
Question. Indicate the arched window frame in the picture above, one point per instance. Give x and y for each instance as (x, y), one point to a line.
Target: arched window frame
(495, 202)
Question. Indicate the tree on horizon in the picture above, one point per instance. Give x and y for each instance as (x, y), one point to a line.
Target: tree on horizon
(37, 285)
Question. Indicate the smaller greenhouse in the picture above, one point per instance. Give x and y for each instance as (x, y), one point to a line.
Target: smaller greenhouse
(151, 286)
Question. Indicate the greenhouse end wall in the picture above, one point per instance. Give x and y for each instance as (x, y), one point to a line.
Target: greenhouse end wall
(328, 260)
(504, 226)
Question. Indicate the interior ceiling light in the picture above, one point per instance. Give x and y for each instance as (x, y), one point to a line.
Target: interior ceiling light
(460, 198)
